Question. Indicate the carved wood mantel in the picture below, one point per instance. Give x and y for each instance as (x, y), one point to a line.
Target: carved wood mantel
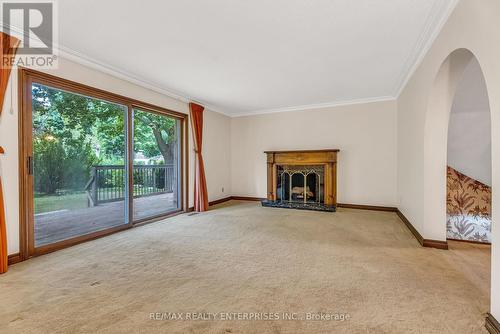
(327, 158)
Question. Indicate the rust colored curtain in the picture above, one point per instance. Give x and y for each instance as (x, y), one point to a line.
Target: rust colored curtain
(9, 47)
(200, 182)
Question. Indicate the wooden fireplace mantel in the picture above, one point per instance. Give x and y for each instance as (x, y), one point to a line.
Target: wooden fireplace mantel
(326, 157)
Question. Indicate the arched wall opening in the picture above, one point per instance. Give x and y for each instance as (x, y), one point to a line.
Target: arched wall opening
(468, 186)
(436, 126)
(435, 162)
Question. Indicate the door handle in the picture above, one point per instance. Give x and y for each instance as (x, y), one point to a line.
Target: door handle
(30, 165)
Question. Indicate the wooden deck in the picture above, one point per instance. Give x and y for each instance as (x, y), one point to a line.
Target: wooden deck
(55, 226)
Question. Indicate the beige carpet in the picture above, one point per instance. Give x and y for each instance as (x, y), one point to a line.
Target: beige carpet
(243, 258)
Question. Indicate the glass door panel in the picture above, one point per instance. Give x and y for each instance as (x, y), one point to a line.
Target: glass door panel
(78, 165)
(156, 161)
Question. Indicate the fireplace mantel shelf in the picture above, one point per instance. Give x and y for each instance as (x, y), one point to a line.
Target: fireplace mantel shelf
(327, 158)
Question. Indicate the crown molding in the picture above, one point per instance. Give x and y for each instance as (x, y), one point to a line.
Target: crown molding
(90, 62)
(317, 106)
(438, 16)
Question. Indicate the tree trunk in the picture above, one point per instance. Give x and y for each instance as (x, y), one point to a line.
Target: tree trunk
(170, 156)
(165, 149)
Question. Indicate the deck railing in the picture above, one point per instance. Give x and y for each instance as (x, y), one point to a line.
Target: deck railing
(107, 182)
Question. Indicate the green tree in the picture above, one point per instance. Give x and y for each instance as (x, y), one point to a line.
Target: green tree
(155, 135)
(68, 130)
(49, 169)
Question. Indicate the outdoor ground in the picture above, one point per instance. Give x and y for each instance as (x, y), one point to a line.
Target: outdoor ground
(63, 224)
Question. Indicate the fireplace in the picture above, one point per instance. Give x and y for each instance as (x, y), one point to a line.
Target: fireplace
(304, 184)
(302, 180)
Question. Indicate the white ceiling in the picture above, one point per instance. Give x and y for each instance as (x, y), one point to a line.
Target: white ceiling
(243, 57)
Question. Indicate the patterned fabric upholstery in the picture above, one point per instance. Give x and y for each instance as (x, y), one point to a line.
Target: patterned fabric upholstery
(468, 208)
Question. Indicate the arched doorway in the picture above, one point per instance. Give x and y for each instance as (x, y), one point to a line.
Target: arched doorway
(469, 160)
(474, 260)
(435, 162)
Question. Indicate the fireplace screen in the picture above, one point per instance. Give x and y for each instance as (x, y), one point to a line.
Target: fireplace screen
(299, 183)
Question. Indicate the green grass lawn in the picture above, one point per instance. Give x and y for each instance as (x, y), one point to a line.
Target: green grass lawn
(77, 200)
(47, 203)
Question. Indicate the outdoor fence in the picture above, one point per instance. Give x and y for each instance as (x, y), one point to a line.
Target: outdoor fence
(107, 183)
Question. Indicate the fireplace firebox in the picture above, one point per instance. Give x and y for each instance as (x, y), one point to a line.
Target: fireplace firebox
(302, 179)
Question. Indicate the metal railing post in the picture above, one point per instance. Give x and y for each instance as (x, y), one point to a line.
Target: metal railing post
(94, 186)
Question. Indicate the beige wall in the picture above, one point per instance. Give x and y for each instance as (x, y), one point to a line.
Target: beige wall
(473, 25)
(217, 154)
(216, 137)
(9, 165)
(364, 133)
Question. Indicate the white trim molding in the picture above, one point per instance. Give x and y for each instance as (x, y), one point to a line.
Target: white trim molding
(316, 106)
(439, 15)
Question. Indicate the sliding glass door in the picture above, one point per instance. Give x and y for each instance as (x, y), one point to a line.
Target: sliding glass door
(94, 163)
(78, 164)
(156, 164)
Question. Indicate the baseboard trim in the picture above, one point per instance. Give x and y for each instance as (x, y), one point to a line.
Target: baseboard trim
(412, 229)
(14, 258)
(244, 198)
(492, 324)
(219, 201)
(435, 244)
(424, 242)
(367, 207)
